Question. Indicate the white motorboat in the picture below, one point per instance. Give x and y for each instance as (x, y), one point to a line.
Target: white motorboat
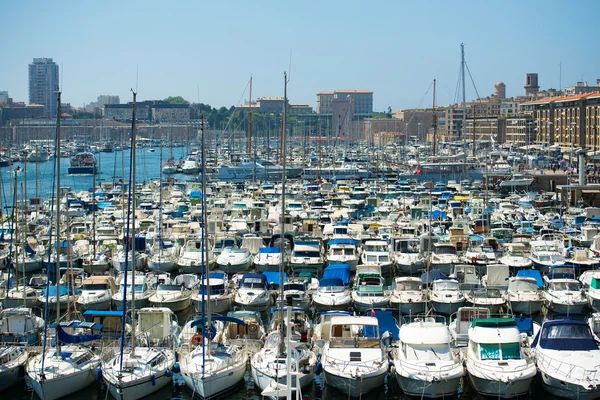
(190, 166)
(568, 359)
(213, 368)
(48, 297)
(491, 298)
(524, 295)
(21, 296)
(446, 297)
(497, 364)
(424, 363)
(515, 257)
(12, 363)
(97, 292)
(593, 294)
(233, 260)
(296, 291)
(253, 293)
(307, 256)
(164, 256)
(369, 291)
(377, 252)
(461, 321)
(148, 367)
(268, 259)
(248, 335)
(353, 361)
(322, 325)
(221, 296)
(177, 296)
(444, 257)
(20, 326)
(565, 295)
(143, 291)
(406, 255)
(343, 251)
(332, 294)
(408, 296)
(120, 260)
(191, 254)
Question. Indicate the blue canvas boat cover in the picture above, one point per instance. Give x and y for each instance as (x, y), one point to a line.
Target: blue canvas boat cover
(386, 323)
(565, 334)
(273, 278)
(327, 282)
(434, 274)
(341, 271)
(342, 241)
(65, 337)
(269, 250)
(532, 273)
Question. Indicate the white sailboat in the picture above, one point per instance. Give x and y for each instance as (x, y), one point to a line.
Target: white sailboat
(213, 366)
(147, 367)
(62, 370)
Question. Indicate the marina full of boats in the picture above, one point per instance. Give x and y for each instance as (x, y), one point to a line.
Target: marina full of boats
(440, 289)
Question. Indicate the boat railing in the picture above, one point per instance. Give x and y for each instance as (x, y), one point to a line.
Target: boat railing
(502, 366)
(429, 368)
(571, 371)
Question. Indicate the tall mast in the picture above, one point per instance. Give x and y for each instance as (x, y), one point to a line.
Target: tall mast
(464, 101)
(132, 203)
(249, 123)
(282, 241)
(205, 268)
(434, 121)
(58, 218)
(473, 144)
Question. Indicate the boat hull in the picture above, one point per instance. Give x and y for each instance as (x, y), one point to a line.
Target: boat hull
(140, 388)
(220, 305)
(405, 308)
(499, 389)
(446, 308)
(81, 170)
(526, 307)
(263, 380)
(215, 384)
(432, 389)
(358, 386)
(566, 390)
(64, 385)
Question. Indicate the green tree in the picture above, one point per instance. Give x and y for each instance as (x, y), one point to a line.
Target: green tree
(176, 100)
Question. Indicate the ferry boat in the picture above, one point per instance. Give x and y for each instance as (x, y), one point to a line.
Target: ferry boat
(83, 163)
(254, 169)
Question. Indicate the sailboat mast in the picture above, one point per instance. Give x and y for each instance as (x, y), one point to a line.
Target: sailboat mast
(132, 203)
(282, 241)
(473, 144)
(204, 226)
(249, 122)
(58, 218)
(464, 102)
(434, 121)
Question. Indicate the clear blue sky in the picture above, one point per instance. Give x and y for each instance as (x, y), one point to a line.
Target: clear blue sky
(394, 48)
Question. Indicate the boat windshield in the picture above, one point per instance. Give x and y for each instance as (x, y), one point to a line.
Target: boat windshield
(294, 286)
(352, 336)
(427, 352)
(566, 286)
(408, 285)
(445, 250)
(331, 289)
(138, 288)
(95, 286)
(252, 284)
(500, 351)
(449, 285)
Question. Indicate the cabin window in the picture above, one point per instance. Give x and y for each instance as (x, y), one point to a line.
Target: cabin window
(500, 351)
